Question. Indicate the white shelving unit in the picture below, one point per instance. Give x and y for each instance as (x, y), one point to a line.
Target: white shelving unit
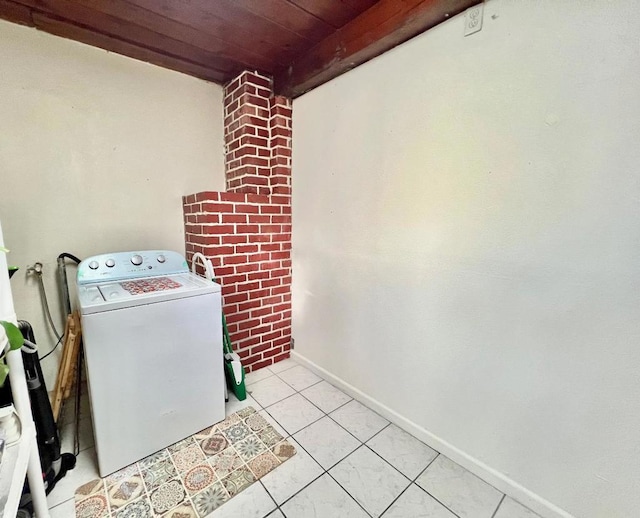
(12, 472)
(24, 455)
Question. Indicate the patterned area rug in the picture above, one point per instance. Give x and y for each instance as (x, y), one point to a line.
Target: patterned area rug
(192, 477)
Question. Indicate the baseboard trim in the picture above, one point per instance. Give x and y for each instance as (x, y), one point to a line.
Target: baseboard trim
(500, 481)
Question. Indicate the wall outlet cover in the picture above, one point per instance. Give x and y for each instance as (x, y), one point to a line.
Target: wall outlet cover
(473, 19)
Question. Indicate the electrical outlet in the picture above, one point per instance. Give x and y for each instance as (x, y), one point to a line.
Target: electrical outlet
(293, 343)
(473, 19)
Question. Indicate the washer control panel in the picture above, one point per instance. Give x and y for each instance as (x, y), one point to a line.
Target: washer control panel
(128, 265)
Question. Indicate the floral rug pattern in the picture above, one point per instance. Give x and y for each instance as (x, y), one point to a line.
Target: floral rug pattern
(191, 478)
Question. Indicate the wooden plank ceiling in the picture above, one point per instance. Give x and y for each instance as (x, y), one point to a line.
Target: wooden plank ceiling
(301, 43)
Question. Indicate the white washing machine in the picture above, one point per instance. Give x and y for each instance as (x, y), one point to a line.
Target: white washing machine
(152, 337)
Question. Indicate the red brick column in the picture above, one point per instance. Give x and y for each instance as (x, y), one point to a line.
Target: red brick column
(280, 142)
(246, 231)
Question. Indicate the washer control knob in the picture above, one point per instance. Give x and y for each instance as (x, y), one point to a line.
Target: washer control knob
(136, 259)
(161, 258)
(94, 265)
(110, 263)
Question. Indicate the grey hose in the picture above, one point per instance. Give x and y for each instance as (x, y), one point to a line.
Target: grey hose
(43, 293)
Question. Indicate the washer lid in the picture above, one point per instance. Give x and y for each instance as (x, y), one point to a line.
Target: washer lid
(105, 296)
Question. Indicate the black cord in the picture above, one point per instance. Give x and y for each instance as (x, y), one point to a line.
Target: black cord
(67, 255)
(54, 348)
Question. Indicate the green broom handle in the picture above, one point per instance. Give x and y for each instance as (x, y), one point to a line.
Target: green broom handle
(226, 338)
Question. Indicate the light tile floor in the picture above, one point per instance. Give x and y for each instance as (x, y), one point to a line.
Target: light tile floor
(350, 461)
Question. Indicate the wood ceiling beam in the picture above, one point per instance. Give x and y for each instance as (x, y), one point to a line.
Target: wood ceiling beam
(380, 28)
(289, 16)
(129, 11)
(15, 13)
(224, 19)
(334, 12)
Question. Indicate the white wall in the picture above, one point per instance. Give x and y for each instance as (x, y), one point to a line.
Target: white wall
(96, 151)
(466, 219)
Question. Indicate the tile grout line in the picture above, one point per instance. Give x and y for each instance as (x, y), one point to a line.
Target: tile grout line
(499, 504)
(326, 471)
(313, 422)
(395, 500)
(361, 443)
(303, 487)
(385, 460)
(335, 463)
(278, 400)
(411, 482)
(295, 364)
(287, 431)
(446, 506)
(352, 434)
(327, 413)
(277, 374)
(420, 487)
(364, 443)
(382, 430)
(63, 502)
(270, 496)
(266, 369)
(352, 497)
(290, 436)
(298, 391)
(389, 423)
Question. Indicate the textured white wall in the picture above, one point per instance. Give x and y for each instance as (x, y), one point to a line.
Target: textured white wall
(96, 151)
(466, 238)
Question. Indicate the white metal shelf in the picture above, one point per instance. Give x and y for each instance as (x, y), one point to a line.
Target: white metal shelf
(27, 452)
(13, 471)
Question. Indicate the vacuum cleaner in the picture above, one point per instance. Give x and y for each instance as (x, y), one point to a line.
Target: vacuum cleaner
(234, 371)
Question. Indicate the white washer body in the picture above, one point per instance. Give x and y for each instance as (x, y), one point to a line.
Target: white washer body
(154, 355)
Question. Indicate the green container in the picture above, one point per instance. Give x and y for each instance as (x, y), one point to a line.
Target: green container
(233, 369)
(238, 389)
